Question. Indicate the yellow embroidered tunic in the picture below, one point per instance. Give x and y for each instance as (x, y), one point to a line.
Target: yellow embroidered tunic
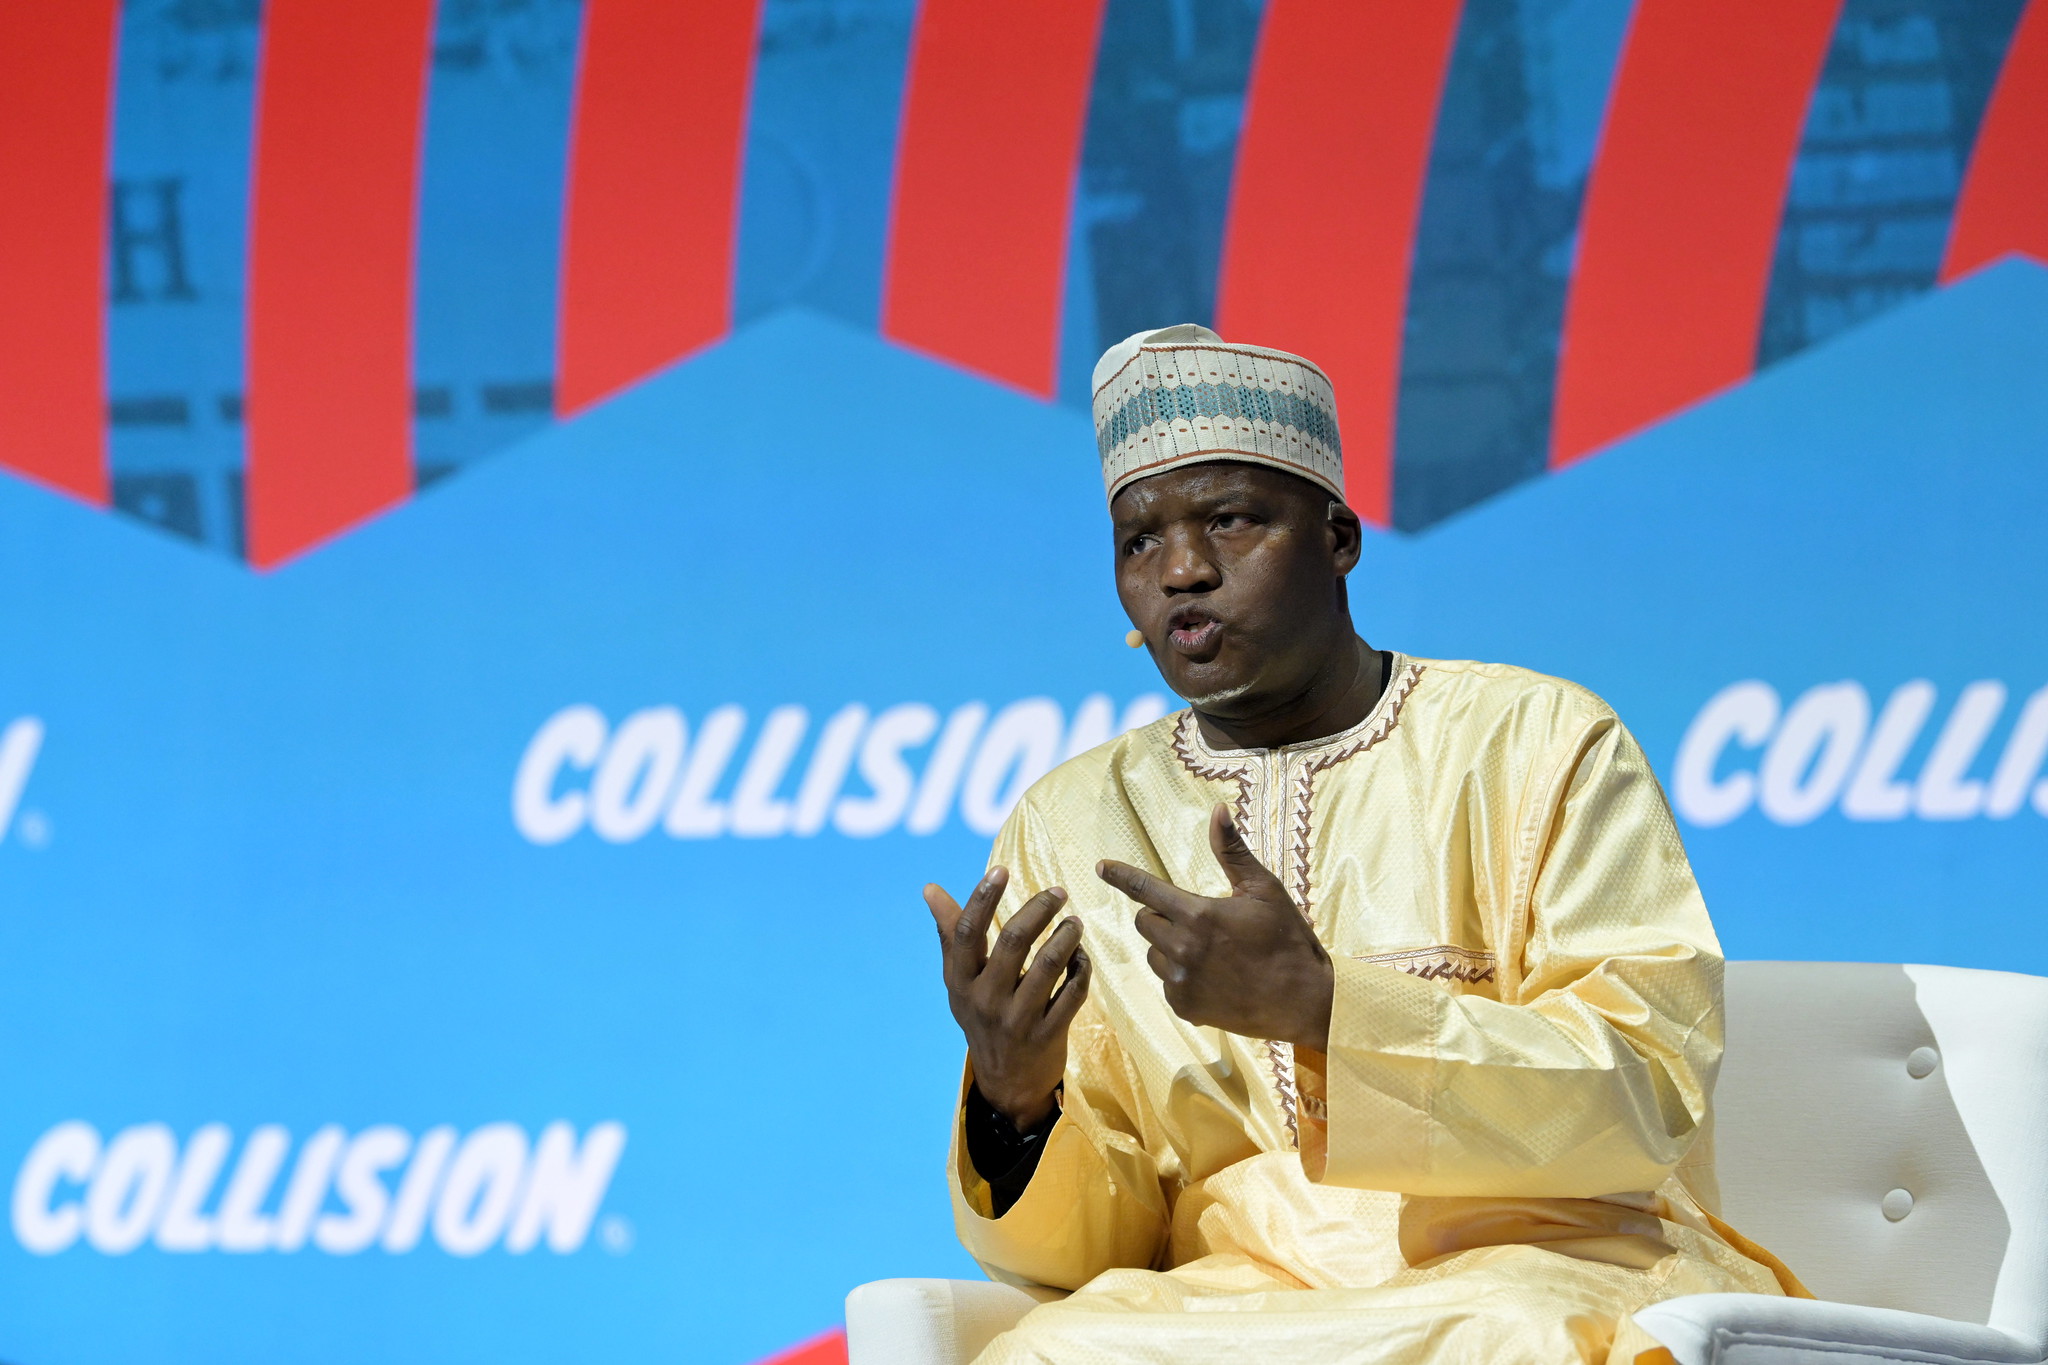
(1504, 1152)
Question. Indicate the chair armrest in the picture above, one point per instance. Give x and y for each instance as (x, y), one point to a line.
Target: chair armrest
(1761, 1329)
(932, 1322)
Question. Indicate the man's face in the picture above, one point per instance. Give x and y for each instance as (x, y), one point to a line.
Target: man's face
(1234, 572)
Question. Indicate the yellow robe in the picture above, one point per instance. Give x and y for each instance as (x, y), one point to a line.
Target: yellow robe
(1505, 1151)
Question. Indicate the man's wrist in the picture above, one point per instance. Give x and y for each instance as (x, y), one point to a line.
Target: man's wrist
(1026, 1115)
(1320, 999)
(1003, 1154)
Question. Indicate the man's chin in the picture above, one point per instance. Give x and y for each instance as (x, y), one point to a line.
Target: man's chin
(1216, 695)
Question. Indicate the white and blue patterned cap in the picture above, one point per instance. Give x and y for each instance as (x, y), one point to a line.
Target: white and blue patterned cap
(1183, 395)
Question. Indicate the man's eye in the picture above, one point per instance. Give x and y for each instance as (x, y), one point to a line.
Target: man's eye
(1137, 545)
(1232, 521)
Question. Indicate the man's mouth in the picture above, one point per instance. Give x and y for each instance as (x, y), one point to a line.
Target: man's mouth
(1192, 630)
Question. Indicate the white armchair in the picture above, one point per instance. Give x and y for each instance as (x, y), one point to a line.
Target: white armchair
(1884, 1129)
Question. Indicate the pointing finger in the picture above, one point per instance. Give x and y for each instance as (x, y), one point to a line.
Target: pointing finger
(1146, 889)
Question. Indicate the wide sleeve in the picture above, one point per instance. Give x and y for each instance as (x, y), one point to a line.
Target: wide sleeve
(1094, 1203)
(1592, 1075)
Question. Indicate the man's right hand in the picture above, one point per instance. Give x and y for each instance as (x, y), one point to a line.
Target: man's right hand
(1016, 1026)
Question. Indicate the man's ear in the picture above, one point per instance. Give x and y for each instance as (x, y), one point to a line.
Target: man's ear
(1347, 536)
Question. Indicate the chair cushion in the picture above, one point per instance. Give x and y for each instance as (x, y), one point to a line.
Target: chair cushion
(1760, 1329)
(931, 1322)
(1840, 1146)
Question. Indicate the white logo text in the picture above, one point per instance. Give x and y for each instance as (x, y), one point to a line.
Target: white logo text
(343, 1193)
(1831, 749)
(656, 768)
(20, 741)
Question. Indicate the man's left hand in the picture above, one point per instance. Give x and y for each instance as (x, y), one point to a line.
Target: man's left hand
(1248, 962)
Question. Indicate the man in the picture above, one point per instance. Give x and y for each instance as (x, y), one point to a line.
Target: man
(1378, 1014)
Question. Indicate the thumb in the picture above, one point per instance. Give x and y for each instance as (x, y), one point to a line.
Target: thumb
(945, 910)
(1248, 876)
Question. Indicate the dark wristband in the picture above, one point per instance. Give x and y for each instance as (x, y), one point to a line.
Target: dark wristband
(1004, 1155)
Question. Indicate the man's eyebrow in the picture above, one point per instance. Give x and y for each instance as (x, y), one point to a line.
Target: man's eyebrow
(1194, 507)
(1237, 497)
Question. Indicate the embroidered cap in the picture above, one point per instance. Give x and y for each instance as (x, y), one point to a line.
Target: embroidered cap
(1183, 395)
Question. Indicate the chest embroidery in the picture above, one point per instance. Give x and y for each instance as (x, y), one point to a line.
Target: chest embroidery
(1274, 810)
(1443, 962)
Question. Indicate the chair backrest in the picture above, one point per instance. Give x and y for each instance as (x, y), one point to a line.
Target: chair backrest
(1884, 1130)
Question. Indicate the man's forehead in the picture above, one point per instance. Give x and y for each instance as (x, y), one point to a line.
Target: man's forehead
(1193, 488)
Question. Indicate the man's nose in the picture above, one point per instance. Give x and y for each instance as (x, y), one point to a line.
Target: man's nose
(1187, 566)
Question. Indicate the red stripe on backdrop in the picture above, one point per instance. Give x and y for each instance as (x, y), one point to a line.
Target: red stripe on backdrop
(829, 1349)
(56, 88)
(994, 112)
(1682, 210)
(340, 93)
(1321, 232)
(2004, 203)
(650, 220)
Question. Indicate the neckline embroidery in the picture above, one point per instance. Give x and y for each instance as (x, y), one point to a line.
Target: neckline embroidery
(1296, 765)
(1375, 726)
